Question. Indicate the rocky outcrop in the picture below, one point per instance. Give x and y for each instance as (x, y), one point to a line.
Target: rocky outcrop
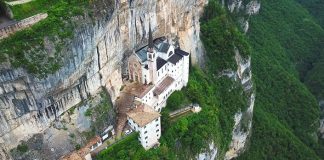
(243, 119)
(321, 128)
(94, 59)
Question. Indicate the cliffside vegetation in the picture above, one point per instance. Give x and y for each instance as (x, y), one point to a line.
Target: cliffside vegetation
(287, 45)
(26, 48)
(219, 97)
(315, 75)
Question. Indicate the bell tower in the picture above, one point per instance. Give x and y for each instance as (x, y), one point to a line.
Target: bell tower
(151, 57)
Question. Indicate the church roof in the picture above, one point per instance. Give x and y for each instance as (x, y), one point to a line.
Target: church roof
(160, 63)
(142, 54)
(164, 47)
(159, 44)
(165, 84)
(181, 52)
(175, 58)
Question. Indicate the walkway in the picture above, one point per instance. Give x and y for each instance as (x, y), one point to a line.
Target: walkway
(180, 111)
(192, 108)
(12, 3)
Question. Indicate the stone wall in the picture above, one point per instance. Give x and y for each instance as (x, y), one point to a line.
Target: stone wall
(20, 25)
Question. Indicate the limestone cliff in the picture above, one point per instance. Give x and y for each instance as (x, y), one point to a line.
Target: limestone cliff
(242, 10)
(93, 59)
(243, 119)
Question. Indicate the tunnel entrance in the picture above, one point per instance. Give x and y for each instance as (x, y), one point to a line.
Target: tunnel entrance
(5, 13)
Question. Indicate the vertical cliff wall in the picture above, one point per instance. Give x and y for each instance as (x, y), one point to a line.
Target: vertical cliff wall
(93, 59)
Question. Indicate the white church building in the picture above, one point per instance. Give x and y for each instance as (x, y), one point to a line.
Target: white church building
(162, 69)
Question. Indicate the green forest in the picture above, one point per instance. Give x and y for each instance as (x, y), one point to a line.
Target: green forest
(286, 38)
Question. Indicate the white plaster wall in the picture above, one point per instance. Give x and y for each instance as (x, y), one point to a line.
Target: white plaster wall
(152, 135)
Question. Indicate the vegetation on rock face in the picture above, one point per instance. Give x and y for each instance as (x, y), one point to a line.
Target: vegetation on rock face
(220, 35)
(22, 148)
(103, 114)
(286, 43)
(177, 100)
(26, 48)
(220, 98)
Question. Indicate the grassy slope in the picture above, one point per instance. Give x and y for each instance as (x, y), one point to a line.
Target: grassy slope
(285, 41)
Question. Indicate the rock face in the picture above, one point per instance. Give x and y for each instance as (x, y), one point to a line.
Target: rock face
(94, 59)
(243, 119)
(321, 129)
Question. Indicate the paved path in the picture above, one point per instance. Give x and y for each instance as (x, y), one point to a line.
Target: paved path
(180, 111)
(12, 3)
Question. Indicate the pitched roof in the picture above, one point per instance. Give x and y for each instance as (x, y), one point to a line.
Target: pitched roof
(164, 47)
(81, 153)
(181, 52)
(160, 63)
(175, 58)
(143, 115)
(142, 53)
(165, 84)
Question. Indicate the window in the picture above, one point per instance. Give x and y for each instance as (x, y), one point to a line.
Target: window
(158, 130)
(146, 137)
(156, 120)
(145, 132)
(157, 135)
(157, 125)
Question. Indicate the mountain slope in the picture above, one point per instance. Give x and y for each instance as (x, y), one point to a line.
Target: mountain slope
(286, 42)
(315, 76)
